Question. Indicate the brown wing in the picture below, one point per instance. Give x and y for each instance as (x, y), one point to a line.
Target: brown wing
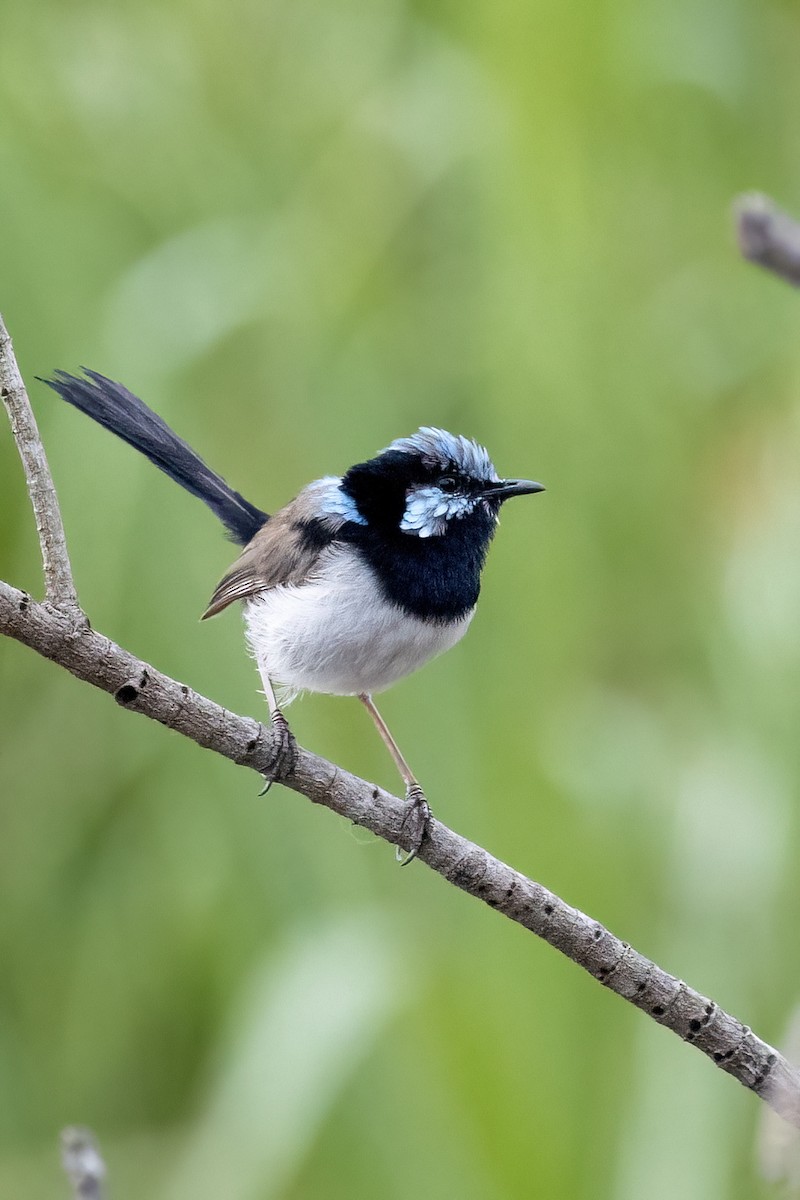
(281, 552)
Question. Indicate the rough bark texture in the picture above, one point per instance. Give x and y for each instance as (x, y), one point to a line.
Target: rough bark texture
(59, 631)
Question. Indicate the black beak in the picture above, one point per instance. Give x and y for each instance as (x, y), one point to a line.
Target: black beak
(505, 488)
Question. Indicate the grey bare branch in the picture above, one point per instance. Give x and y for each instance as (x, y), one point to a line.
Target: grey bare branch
(62, 635)
(83, 1163)
(768, 236)
(59, 586)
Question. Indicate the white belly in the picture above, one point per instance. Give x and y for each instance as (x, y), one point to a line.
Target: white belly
(338, 634)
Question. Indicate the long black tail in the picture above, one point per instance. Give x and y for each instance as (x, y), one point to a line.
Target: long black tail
(113, 406)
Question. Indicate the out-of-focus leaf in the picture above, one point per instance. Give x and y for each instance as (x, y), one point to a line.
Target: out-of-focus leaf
(307, 1017)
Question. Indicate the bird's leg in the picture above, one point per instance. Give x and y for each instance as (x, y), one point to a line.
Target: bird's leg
(286, 748)
(419, 812)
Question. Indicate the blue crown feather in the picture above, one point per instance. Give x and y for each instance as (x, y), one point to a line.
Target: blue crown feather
(442, 449)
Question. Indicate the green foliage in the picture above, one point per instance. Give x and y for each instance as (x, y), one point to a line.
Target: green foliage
(300, 230)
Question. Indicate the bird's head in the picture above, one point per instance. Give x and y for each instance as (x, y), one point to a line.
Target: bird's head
(423, 485)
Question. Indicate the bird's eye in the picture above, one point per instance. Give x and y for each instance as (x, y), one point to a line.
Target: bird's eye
(447, 483)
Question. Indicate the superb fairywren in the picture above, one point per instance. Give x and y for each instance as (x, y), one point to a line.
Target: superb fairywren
(355, 583)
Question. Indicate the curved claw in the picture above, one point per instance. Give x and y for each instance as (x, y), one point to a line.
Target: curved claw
(285, 752)
(417, 817)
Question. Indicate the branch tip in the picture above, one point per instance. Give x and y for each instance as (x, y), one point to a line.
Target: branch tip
(83, 1163)
(768, 236)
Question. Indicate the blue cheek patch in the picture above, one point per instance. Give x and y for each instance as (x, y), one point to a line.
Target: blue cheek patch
(428, 509)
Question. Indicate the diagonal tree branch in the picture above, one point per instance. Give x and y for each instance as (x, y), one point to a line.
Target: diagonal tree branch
(59, 586)
(60, 632)
(140, 687)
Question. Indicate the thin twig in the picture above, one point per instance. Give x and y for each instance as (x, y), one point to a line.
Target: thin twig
(768, 236)
(57, 635)
(59, 586)
(83, 1163)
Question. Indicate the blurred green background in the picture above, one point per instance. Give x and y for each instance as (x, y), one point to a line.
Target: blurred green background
(300, 230)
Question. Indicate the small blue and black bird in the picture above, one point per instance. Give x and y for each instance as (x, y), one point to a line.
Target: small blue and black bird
(355, 583)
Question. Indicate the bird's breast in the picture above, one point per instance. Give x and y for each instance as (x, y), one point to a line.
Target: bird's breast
(339, 633)
(436, 578)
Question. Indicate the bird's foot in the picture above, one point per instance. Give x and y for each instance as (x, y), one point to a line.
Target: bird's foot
(285, 753)
(415, 822)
